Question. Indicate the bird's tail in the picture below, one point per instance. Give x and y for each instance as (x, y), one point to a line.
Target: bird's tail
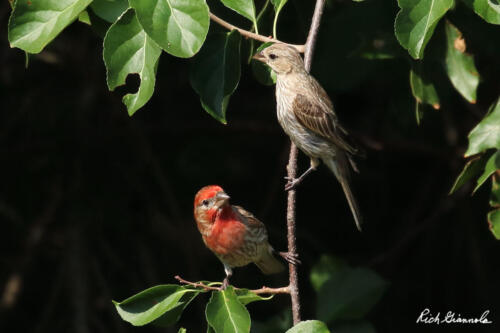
(340, 168)
(268, 263)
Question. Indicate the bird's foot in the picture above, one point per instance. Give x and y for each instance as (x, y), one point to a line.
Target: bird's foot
(292, 183)
(291, 258)
(225, 284)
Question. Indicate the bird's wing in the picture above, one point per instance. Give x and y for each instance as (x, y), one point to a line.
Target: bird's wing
(248, 218)
(312, 115)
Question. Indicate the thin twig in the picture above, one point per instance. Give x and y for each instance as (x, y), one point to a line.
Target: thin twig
(263, 290)
(246, 33)
(292, 170)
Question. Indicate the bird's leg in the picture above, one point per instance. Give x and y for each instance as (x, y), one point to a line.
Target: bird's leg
(291, 258)
(292, 183)
(229, 273)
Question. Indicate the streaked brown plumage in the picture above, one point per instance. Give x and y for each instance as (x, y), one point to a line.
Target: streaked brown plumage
(306, 114)
(234, 235)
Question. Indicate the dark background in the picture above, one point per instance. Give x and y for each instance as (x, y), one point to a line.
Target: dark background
(96, 205)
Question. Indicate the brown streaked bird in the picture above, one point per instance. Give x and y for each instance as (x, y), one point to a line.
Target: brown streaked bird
(306, 114)
(234, 235)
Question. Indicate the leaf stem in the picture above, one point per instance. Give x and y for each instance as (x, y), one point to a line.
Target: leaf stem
(292, 169)
(263, 290)
(246, 33)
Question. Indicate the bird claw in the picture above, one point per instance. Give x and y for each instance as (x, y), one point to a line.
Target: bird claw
(291, 184)
(225, 284)
(291, 258)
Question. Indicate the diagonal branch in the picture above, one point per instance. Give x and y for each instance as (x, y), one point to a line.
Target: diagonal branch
(292, 170)
(263, 290)
(246, 33)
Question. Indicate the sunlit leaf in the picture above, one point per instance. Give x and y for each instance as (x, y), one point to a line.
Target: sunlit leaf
(486, 134)
(127, 50)
(416, 21)
(152, 304)
(245, 296)
(471, 169)
(35, 23)
(460, 65)
(109, 10)
(84, 17)
(215, 72)
(179, 27)
(489, 10)
(278, 6)
(309, 326)
(245, 8)
(490, 168)
(182, 330)
(226, 314)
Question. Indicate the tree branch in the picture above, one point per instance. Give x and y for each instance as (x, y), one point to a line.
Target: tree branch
(246, 33)
(292, 169)
(263, 290)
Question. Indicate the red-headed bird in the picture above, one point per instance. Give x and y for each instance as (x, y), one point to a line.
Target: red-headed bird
(306, 114)
(234, 235)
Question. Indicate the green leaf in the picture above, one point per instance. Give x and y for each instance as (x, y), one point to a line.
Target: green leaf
(109, 10)
(325, 268)
(182, 330)
(460, 65)
(245, 8)
(416, 21)
(494, 222)
(226, 314)
(491, 167)
(489, 10)
(263, 73)
(215, 72)
(164, 303)
(495, 191)
(179, 27)
(309, 326)
(35, 23)
(486, 134)
(245, 296)
(278, 6)
(128, 49)
(84, 17)
(422, 87)
(345, 293)
(471, 169)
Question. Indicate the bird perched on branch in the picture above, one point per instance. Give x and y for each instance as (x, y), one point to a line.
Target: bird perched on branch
(306, 114)
(234, 235)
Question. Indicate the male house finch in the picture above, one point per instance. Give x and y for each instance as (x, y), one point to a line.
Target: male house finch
(234, 235)
(306, 114)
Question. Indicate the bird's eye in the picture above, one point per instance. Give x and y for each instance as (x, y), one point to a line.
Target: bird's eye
(273, 56)
(204, 202)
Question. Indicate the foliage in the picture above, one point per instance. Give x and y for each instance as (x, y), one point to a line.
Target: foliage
(484, 144)
(345, 294)
(138, 31)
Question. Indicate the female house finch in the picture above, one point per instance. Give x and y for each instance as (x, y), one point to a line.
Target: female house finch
(234, 235)
(306, 114)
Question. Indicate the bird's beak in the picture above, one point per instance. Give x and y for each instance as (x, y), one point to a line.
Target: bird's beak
(259, 56)
(221, 199)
